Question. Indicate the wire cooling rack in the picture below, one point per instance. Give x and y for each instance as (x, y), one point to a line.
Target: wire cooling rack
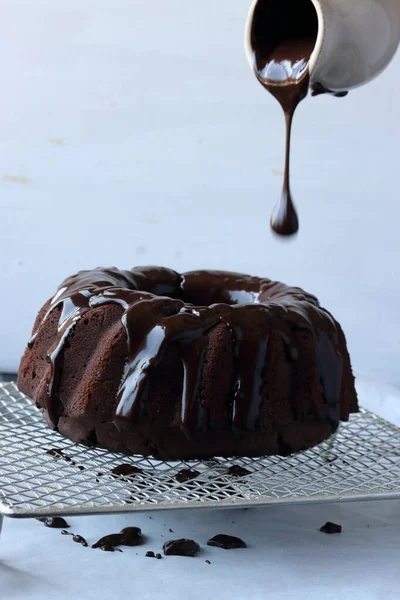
(361, 462)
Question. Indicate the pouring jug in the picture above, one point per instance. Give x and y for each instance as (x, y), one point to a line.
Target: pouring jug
(355, 39)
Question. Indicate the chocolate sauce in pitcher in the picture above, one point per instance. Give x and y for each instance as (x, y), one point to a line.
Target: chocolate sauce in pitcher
(283, 37)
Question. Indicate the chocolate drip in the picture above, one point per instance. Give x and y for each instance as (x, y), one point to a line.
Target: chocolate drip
(329, 364)
(284, 219)
(249, 352)
(317, 89)
(283, 37)
(193, 415)
(155, 324)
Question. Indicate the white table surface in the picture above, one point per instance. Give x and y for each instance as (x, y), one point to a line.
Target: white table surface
(287, 557)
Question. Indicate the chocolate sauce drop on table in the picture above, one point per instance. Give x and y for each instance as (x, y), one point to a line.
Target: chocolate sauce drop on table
(126, 469)
(330, 527)
(79, 539)
(75, 537)
(110, 549)
(283, 38)
(129, 536)
(54, 522)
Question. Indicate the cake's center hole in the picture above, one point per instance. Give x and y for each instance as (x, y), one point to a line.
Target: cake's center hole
(204, 288)
(224, 296)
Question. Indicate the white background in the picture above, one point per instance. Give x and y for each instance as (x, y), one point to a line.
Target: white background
(133, 132)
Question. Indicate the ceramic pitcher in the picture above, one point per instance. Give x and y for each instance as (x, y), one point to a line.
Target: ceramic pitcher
(355, 42)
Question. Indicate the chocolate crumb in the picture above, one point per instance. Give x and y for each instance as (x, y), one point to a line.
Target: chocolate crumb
(126, 469)
(58, 453)
(208, 562)
(54, 522)
(158, 556)
(331, 528)
(227, 542)
(181, 547)
(186, 475)
(238, 471)
(331, 459)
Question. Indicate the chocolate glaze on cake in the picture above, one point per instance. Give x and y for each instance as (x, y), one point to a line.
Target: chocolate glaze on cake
(188, 366)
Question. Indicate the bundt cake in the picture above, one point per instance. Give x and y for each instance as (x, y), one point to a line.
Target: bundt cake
(203, 364)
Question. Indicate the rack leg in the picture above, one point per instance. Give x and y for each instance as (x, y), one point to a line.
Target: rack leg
(1, 523)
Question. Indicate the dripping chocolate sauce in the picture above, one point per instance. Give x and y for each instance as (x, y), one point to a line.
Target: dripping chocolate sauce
(196, 302)
(283, 37)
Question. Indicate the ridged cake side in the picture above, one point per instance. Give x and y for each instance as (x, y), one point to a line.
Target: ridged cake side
(183, 366)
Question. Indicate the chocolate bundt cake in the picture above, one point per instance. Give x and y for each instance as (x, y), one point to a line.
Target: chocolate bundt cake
(203, 364)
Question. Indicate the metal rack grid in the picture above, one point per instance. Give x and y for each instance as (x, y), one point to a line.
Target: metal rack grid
(361, 462)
